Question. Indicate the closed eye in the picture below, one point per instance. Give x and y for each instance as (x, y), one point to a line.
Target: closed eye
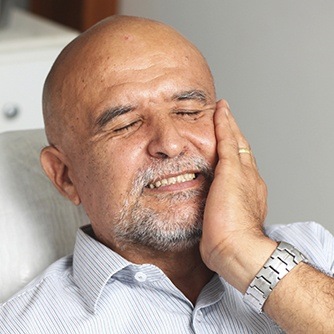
(193, 114)
(127, 127)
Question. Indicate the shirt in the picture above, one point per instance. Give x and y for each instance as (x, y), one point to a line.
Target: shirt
(98, 291)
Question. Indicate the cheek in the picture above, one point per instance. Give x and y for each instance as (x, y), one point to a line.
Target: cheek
(115, 172)
(205, 141)
(103, 191)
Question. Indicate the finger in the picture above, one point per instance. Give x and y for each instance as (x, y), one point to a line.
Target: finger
(244, 149)
(227, 145)
(246, 155)
(230, 138)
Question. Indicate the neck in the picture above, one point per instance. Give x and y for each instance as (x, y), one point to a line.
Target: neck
(184, 268)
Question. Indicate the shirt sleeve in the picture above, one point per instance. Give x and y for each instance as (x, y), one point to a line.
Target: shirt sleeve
(312, 239)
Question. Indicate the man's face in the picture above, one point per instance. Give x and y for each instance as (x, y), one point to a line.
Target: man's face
(147, 148)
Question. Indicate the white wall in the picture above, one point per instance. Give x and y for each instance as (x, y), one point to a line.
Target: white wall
(274, 62)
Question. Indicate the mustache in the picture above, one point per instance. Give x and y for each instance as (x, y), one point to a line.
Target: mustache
(159, 169)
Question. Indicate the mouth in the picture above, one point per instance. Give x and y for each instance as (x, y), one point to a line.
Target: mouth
(172, 180)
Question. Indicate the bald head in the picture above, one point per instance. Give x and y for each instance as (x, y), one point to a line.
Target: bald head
(128, 97)
(105, 53)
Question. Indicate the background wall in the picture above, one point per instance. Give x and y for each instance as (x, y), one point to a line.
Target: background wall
(274, 62)
(21, 3)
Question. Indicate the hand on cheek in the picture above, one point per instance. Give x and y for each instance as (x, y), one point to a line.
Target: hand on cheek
(235, 209)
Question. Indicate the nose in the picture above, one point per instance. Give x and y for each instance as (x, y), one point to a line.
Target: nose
(166, 141)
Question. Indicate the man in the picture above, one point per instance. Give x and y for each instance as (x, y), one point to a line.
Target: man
(175, 201)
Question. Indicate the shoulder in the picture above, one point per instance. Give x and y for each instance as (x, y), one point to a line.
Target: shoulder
(49, 298)
(311, 238)
(51, 280)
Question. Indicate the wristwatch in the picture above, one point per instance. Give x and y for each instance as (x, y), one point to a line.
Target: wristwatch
(284, 258)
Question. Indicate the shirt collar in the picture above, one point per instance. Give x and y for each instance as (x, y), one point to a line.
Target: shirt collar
(93, 265)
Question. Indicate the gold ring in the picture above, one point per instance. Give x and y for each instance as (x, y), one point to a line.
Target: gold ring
(244, 150)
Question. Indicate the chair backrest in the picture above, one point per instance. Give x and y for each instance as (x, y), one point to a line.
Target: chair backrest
(37, 225)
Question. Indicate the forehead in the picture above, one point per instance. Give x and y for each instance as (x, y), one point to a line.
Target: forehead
(119, 59)
(130, 66)
(134, 46)
(145, 88)
(106, 58)
(144, 73)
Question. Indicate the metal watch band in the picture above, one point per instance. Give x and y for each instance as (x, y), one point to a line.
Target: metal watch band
(281, 261)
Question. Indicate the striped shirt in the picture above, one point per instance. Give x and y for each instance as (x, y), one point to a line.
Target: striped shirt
(98, 291)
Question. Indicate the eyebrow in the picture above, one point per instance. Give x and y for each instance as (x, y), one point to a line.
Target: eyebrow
(193, 94)
(111, 113)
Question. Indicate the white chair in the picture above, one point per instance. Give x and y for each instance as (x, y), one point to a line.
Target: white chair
(37, 225)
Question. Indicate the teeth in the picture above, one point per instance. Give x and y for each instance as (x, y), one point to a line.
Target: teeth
(172, 180)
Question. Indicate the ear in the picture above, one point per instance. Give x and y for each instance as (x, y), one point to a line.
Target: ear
(55, 167)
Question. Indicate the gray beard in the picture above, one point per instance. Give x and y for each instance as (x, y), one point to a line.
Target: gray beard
(171, 229)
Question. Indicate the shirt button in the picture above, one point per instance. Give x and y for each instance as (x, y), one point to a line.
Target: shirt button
(140, 277)
(199, 316)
